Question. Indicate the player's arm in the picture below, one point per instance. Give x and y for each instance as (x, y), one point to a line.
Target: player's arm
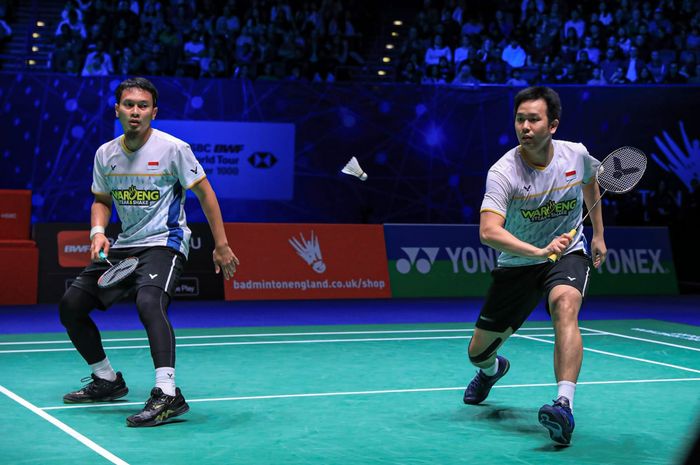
(224, 258)
(100, 213)
(493, 233)
(591, 193)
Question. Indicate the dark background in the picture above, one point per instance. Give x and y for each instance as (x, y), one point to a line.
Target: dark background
(426, 148)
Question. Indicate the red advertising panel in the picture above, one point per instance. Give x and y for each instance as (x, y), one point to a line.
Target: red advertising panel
(74, 249)
(15, 213)
(308, 261)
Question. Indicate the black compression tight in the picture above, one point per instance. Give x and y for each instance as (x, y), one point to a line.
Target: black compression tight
(74, 311)
(152, 304)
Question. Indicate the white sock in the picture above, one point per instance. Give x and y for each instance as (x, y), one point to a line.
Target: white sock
(492, 370)
(104, 370)
(165, 380)
(567, 389)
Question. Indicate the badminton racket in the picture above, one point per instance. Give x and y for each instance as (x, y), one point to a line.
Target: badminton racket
(618, 173)
(116, 273)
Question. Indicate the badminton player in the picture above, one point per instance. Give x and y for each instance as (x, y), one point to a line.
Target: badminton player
(144, 173)
(534, 195)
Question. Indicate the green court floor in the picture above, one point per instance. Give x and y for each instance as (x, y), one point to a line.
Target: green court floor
(382, 394)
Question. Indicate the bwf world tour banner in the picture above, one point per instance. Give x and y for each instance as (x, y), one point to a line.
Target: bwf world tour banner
(242, 160)
(308, 261)
(450, 261)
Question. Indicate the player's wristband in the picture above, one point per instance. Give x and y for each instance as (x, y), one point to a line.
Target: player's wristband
(96, 230)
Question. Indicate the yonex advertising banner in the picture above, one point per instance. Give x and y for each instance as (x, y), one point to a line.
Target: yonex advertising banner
(242, 160)
(437, 260)
(450, 261)
(639, 263)
(307, 261)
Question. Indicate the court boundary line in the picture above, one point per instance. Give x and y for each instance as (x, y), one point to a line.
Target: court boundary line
(313, 333)
(628, 357)
(299, 341)
(634, 338)
(371, 392)
(89, 443)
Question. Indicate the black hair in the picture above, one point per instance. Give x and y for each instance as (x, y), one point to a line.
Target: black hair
(547, 94)
(141, 83)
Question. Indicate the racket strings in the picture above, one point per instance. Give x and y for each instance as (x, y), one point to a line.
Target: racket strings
(118, 272)
(622, 170)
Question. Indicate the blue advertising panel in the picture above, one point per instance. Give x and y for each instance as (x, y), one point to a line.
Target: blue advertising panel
(242, 160)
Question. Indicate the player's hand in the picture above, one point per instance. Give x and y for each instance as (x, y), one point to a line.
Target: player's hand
(224, 259)
(99, 242)
(599, 251)
(558, 245)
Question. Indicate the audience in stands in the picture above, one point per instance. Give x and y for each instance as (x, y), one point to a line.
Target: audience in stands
(233, 38)
(591, 42)
(594, 42)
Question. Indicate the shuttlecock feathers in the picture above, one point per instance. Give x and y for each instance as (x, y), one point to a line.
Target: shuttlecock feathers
(353, 169)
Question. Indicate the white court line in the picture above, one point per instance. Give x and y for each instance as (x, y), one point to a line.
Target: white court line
(384, 391)
(641, 339)
(325, 333)
(612, 354)
(63, 427)
(300, 341)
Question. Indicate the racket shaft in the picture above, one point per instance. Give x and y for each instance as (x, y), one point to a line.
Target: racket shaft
(554, 257)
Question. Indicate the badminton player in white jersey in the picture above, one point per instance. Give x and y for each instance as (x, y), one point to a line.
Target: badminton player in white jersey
(144, 173)
(534, 196)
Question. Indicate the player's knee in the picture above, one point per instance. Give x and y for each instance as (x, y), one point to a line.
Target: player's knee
(479, 355)
(151, 301)
(73, 305)
(565, 306)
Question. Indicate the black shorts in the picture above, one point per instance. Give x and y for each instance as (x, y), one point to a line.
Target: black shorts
(158, 266)
(515, 291)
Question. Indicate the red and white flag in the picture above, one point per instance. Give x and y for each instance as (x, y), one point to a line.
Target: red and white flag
(152, 165)
(570, 175)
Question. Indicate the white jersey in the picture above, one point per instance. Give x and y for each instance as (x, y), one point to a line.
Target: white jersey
(538, 203)
(148, 188)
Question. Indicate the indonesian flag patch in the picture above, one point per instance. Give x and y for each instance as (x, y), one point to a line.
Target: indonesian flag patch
(152, 165)
(570, 175)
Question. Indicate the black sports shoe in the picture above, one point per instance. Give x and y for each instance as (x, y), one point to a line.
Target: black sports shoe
(481, 385)
(160, 408)
(98, 390)
(558, 420)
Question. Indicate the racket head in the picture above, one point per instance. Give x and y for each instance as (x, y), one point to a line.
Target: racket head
(118, 272)
(622, 169)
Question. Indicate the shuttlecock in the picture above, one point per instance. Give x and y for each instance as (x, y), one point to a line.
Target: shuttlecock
(353, 169)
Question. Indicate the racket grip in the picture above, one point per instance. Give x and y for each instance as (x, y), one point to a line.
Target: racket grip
(102, 255)
(554, 257)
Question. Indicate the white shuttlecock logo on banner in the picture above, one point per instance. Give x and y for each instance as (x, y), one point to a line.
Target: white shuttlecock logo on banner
(310, 251)
(353, 169)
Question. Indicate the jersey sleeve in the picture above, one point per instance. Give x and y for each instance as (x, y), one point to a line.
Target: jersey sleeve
(99, 180)
(189, 170)
(497, 195)
(590, 166)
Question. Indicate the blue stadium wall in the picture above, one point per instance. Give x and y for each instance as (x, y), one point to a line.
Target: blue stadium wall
(426, 149)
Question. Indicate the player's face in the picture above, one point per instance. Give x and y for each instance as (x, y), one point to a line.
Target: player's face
(533, 128)
(135, 111)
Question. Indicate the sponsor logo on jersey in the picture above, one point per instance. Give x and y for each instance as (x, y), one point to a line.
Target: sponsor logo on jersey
(135, 196)
(549, 210)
